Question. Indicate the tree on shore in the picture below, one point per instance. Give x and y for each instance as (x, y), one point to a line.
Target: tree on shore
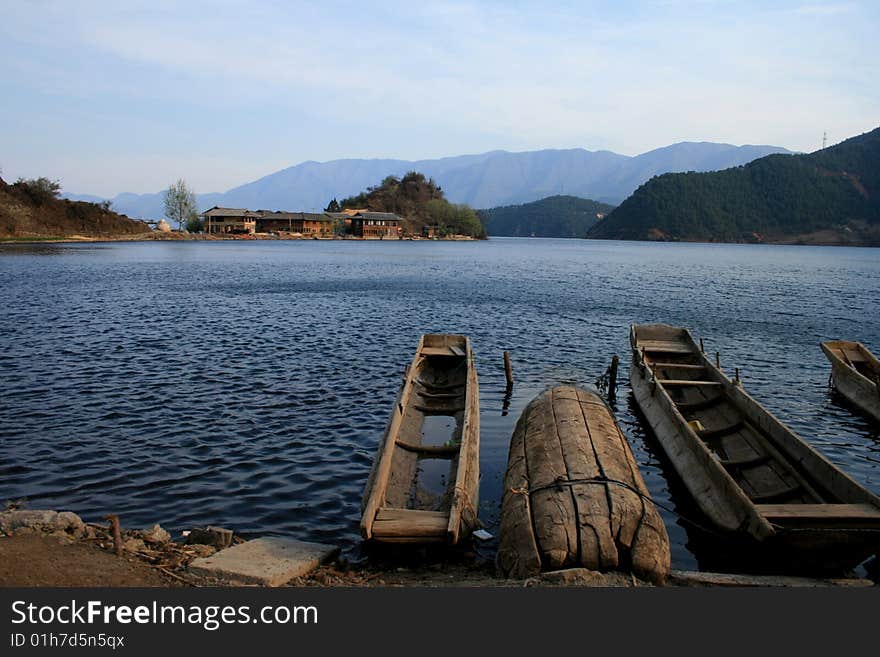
(180, 205)
(40, 189)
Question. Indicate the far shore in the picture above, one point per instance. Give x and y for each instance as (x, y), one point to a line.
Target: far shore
(157, 236)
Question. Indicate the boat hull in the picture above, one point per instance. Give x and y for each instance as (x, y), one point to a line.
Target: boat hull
(827, 522)
(854, 386)
(424, 484)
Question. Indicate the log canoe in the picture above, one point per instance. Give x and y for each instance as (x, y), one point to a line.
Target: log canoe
(573, 495)
(424, 484)
(751, 475)
(855, 372)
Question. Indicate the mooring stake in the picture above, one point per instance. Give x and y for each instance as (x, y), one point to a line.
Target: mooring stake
(612, 377)
(508, 370)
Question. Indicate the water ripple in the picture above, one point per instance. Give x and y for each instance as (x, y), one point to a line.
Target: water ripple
(248, 384)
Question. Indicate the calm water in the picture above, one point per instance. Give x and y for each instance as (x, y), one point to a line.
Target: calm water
(247, 384)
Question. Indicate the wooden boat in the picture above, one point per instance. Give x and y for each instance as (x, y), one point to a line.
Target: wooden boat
(425, 480)
(856, 374)
(573, 494)
(749, 473)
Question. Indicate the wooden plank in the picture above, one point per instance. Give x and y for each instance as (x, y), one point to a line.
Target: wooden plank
(819, 511)
(689, 578)
(666, 350)
(438, 410)
(686, 382)
(463, 510)
(432, 450)
(680, 366)
(403, 523)
(438, 351)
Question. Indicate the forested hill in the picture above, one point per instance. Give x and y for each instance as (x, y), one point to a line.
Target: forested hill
(831, 196)
(555, 216)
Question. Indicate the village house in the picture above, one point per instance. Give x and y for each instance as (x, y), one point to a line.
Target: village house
(307, 223)
(230, 221)
(431, 231)
(375, 225)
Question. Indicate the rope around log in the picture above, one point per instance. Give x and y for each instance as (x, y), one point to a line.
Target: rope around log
(560, 482)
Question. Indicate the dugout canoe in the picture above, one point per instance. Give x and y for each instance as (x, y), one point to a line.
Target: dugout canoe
(424, 484)
(573, 495)
(855, 372)
(750, 474)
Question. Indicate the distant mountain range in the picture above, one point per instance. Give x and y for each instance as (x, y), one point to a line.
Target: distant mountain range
(556, 216)
(487, 180)
(831, 196)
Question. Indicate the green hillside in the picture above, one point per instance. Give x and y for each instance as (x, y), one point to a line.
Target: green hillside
(830, 196)
(556, 216)
(419, 201)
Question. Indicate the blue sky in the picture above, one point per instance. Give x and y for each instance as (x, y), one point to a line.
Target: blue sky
(129, 96)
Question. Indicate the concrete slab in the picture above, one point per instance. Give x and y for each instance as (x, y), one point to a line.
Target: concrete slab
(263, 561)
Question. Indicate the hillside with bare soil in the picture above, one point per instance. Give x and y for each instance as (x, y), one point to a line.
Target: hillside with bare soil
(31, 209)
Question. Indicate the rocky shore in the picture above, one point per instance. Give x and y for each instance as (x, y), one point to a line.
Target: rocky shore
(42, 548)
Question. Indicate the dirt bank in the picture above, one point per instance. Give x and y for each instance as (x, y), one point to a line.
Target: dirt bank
(28, 212)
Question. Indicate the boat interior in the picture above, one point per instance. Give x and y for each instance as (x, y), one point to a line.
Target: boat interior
(764, 474)
(856, 357)
(425, 457)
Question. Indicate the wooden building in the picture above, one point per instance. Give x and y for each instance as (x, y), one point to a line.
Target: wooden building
(230, 221)
(375, 225)
(313, 224)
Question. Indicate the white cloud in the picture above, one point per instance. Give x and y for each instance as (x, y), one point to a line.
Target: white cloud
(443, 78)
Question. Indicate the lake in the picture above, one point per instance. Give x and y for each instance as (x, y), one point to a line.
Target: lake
(246, 384)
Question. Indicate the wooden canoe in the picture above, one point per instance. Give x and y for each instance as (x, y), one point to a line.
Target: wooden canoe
(424, 484)
(749, 473)
(573, 495)
(856, 374)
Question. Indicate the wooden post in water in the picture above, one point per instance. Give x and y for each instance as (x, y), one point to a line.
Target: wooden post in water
(508, 370)
(718, 359)
(612, 377)
(702, 348)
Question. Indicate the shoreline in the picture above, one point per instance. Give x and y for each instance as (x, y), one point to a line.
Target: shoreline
(192, 237)
(178, 237)
(50, 549)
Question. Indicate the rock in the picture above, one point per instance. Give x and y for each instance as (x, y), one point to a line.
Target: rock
(217, 537)
(134, 545)
(42, 521)
(264, 561)
(71, 523)
(24, 531)
(155, 534)
(584, 577)
(200, 550)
